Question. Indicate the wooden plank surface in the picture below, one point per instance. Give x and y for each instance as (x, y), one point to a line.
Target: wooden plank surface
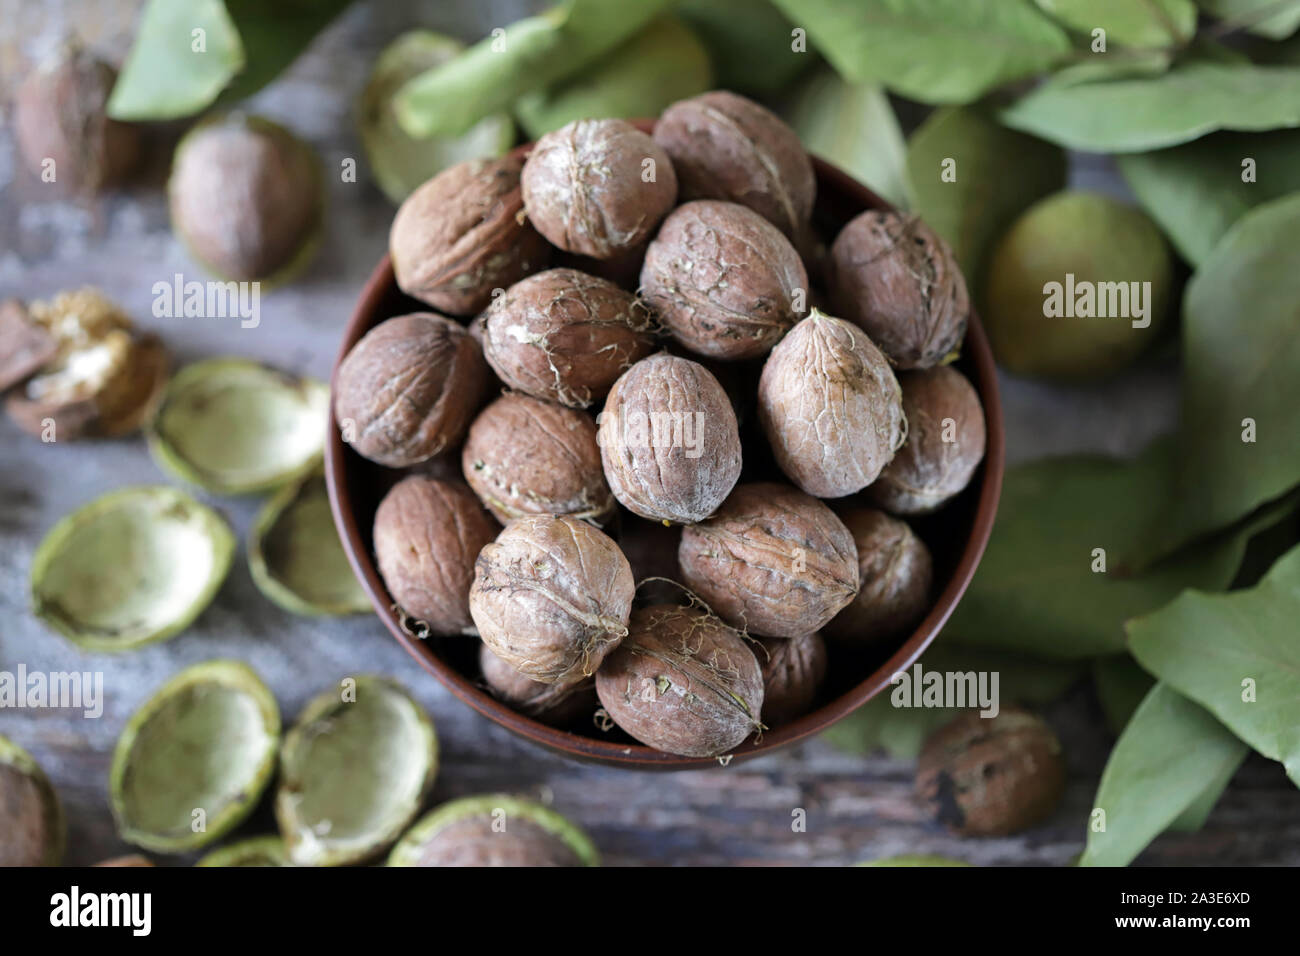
(856, 808)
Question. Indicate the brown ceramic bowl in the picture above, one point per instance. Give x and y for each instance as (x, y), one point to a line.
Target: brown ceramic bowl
(956, 536)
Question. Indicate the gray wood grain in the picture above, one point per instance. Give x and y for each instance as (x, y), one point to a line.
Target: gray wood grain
(857, 808)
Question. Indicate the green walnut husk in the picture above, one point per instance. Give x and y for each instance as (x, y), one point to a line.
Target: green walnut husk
(398, 162)
(355, 770)
(205, 741)
(134, 566)
(233, 426)
(33, 830)
(477, 831)
(255, 851)
(662, 64)
(295, 556)
(916, 859)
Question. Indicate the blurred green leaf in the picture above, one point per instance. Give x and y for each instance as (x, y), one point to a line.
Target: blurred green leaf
(853, 126)
(1171, 760)
(1121, 684)
(998, 174)
(1274, 19)
(1141, 113)
(529, 54)
(183, 56)
(274, 33)
(1142, 23)
(663, 63)
(934, 51)
(749, 42)
(1236, 655)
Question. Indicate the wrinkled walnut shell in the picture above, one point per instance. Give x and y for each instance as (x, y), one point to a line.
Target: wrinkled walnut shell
(991, 776)
(409, 389)
(669, 440)
(724, 146)
(586, 187)
(898, 280)
(428, 534)
(723, 280)
(551, 597)
(564, 336)
(895, 575)
(682, 682)
(461, 235)
(773, 560)
(945, 443)
(830, 406)
(793, 671)
(524, 456)
(551, 704)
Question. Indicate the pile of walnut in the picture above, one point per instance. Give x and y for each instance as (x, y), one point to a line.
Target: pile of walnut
(639, 327)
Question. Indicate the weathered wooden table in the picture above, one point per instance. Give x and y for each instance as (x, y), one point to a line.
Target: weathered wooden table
(856, 808)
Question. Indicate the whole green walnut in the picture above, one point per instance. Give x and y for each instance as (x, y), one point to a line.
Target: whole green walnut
(598, 187)
(461, 235)
(1079, 286)
(683, 682)
(772, 560)
(727, 147)
(990, 776)
(246, 197)
(945, 443)
(553, 704)
(564, 336)
(723, 280)
(524, 456)
(551, 597)
(427, 536)
(896, 279)
(895, 577)
(830, 406)
(60, 118)
(408, 390)
(793, 671)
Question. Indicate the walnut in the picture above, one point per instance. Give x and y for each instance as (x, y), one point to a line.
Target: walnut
(553, 704)
(793, 671)
(895, 576)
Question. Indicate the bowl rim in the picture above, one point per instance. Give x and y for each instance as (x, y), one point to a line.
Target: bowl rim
(976, 349)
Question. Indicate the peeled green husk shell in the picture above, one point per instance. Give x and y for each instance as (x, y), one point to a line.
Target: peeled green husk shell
(399, 163)
(134, 566)
(32, 827)
(295, 556)
(206, 740)
(494, 830)
(233, 426)
(354, 772)
(255, 851)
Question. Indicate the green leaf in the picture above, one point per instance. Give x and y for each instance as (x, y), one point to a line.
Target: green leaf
(853, 126)
(1237, 655)
(1141, 113)
(1196, 192)
(934, 51)
(1035, 591)
(164, 76)
(1275, 19)
(879, 724)
(997, 174)
(1142, 23)
(1241, 350)
(274, 33)
(530, 54)
(749, 42)
(1121, 685)
(1169, 760)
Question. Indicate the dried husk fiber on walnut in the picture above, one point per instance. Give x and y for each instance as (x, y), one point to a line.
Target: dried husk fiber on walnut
(408, 390)
(682, 682)
(793, 671)
(945, 443)
(991, 776)
(898, 280)
(551, 597)
(553, 704)
(773, 560)
(462, 234)
(723, 280)
(427, 535)
(896, 574)
(564, 336)
(669, 440)
(830, 406)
